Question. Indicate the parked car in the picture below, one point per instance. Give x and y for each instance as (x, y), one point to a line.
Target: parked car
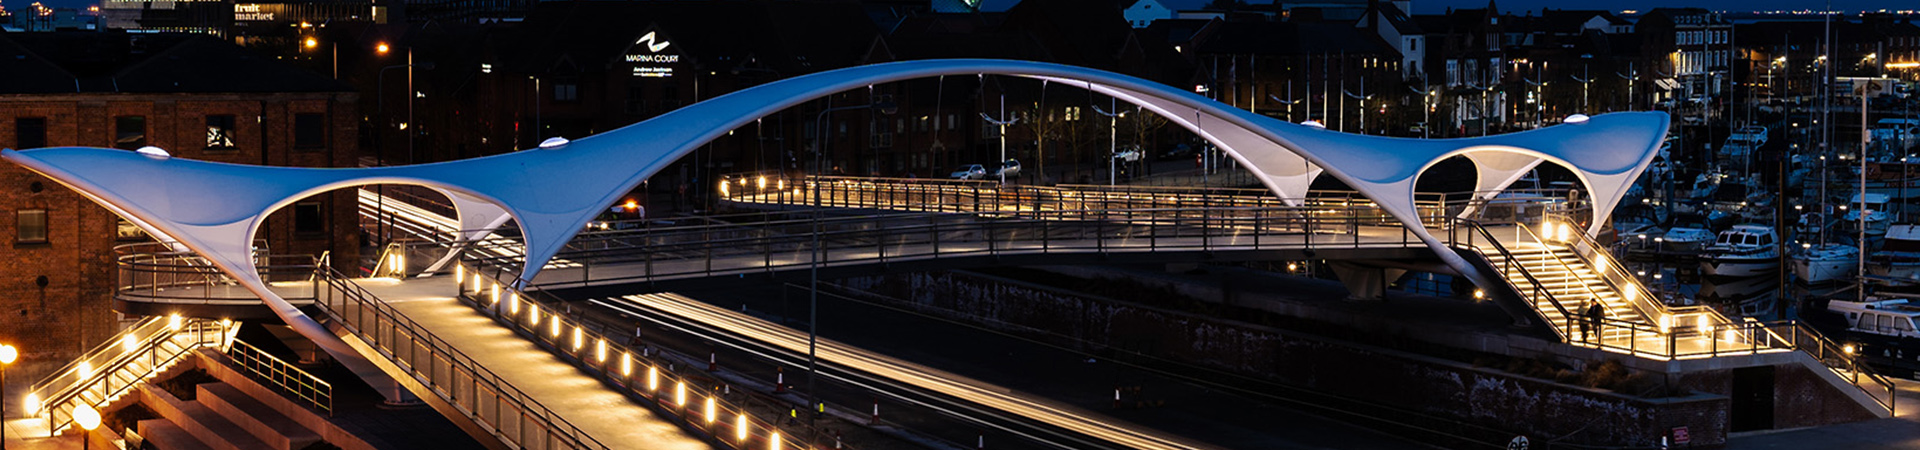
(1129, 155)
(970, 172)
(1009, 168)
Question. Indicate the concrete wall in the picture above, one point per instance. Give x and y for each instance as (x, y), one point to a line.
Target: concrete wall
(1540, 409)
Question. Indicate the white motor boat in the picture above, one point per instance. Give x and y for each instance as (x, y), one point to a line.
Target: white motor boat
(1825, 263)
(1899, 256)
(1684, 238)
(1882, 316)
(1877, 217)
(1743, 251)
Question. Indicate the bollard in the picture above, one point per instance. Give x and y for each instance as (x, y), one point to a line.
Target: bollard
(779, 380)
(1116, 398)
(982, 443)
(836, 439)
(876, 412)
(713, 362)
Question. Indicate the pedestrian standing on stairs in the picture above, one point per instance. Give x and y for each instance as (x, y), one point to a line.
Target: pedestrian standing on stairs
(1596, 313)
(1586, 322)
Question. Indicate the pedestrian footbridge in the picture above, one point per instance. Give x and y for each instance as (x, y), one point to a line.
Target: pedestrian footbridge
(472, 316)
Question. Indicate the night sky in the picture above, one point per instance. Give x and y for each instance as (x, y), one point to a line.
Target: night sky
(1434, 6)
(1440, 6)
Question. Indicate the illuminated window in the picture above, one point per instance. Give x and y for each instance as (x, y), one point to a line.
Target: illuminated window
(29, 132)
(30, 226)
(309, 131)
(129, 132)
(220, 131)
(127, 231)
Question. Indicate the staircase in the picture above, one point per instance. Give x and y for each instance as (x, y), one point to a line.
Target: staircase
(1570, 282)
(220, 417)
(115, 368)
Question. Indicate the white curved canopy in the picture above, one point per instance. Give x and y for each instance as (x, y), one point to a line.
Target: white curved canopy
(216, 208)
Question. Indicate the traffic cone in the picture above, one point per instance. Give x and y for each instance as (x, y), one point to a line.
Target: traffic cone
(779, 380)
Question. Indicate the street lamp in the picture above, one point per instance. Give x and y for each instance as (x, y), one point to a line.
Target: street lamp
(1113, 146)
(1363, 103)
(7, 355)
(87, 419)
(813, 283)
(1002, 123)
(379, 147)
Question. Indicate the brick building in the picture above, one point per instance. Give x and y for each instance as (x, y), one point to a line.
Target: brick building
(196, 97)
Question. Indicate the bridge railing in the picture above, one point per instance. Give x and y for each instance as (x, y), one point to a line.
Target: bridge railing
(156, 273)
(503, 410)
(608, 353)
(714, 250)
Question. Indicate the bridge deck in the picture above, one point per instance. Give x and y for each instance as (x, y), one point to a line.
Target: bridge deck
(587, 403)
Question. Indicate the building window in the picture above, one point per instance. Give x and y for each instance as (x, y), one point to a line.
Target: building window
(220, 132)
(669, 98)
(30, 226)
(309, 218)
(129, 132)
(636, 100)
(29, 132)
(126, 231)
(566, 92)
(309, 131)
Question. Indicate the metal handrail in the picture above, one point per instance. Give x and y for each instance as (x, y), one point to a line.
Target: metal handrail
(57, 398)
(306, 386)
(1511, 262)
(546, 322)
(158, 278)
(902, 236)
(398, 326)
(1596, 295)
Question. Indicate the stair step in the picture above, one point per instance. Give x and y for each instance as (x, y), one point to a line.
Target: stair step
(277, 430)
(164, 435)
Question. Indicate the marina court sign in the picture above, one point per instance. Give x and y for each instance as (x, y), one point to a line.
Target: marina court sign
(652, 55)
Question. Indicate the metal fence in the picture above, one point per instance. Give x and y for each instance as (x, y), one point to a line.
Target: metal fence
(490, 401)
(298, 383)
(602, 351)
(125, 361)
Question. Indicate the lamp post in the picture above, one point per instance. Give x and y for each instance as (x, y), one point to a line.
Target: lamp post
(1633, 78)
(1113, 146)
(1426, 110)
(7, 355)
(379, 149)
(1002, 123)
(1363, 103)
(813, 282)
(88, 419)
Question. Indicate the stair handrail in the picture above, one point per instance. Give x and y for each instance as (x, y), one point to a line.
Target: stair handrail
(1644, 298)
(59, 402)
(1610, 320)
(1841, 359)
(1510, 261)
(306, 386)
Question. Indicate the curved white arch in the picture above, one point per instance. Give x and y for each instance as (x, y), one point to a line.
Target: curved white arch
(214, 208)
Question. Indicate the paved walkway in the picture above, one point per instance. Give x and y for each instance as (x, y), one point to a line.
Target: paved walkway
(1899, 432)
(589, 405)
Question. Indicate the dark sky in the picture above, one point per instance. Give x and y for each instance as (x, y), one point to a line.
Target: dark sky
(1439, 6)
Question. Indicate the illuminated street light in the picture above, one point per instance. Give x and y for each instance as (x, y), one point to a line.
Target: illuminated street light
(381, 48)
